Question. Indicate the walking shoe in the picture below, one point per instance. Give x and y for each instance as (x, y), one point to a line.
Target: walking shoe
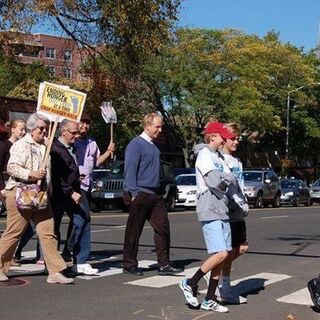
(134, 270)
(188, 293)
(230, 296)
(84, 268)
(212, 305)
(314, 289)
(3, 277)
(58, 278)
(169, 270)
(15, 263)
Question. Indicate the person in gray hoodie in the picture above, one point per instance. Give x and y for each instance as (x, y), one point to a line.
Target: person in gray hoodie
(213, 179)
(238, 209)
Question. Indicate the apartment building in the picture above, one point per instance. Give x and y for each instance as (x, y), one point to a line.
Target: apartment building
(61, 55)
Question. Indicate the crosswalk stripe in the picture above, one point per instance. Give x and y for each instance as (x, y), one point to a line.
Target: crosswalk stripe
(163, 281)
(301, 297)
(256, 281)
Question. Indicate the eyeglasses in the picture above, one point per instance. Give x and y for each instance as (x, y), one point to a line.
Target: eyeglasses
(43, 128)
(74, 133)
(236, 139)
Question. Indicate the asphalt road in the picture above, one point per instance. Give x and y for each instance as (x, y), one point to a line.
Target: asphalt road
(284, 254)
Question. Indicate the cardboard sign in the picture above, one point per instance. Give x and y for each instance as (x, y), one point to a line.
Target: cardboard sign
(60, 101)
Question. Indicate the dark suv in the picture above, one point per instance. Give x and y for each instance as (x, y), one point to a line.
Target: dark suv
(261, 186)
(108, 185)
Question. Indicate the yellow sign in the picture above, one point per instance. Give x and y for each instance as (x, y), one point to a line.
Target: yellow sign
(61, 101)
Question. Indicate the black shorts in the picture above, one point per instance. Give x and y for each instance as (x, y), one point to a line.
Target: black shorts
(238, 233)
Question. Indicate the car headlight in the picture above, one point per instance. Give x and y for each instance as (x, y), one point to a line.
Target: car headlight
(191, 192)
(99, 184)
(249, 189)
(290, 193)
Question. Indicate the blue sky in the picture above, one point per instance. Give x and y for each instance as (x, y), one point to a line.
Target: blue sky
(296, 20)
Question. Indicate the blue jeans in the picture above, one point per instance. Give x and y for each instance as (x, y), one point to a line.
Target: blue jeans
(79, 241)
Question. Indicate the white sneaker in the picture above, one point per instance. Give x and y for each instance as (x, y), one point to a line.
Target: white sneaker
(58, 278)
(84, 268)
(188, 293)
(230, 296)
(212, 305)
(3, 277)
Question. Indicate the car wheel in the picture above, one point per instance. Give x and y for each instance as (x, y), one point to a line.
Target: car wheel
(276, 201)
(171, 202)
(296, 202)
(308, 202)
(259, 201)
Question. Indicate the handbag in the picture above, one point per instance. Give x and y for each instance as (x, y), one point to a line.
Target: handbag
(31, 196)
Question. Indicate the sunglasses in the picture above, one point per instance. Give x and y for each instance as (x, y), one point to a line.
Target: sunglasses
(43, 128)
(74, 133)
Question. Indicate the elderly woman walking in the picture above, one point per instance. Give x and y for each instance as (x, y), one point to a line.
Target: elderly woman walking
(24, 166)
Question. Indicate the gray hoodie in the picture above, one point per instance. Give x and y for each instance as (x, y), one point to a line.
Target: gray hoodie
(213, 178)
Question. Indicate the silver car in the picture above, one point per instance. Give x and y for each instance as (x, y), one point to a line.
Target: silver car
(315, 191)
(262, 187)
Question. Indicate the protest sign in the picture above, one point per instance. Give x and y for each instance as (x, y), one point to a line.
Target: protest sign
(60, 101)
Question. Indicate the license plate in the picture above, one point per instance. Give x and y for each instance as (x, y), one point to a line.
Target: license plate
(109, 195)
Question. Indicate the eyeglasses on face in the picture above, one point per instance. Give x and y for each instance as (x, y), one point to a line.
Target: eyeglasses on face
(42, 128)
(74, 133)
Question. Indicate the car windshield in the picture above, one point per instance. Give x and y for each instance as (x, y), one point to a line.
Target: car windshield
(118, 170)
(288, 184)
(186, 180)
(98, 174)
(252, 176)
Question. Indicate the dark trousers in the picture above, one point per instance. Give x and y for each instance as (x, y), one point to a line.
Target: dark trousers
(149, 207)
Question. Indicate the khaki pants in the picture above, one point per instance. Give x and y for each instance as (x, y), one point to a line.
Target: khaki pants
(17, 222)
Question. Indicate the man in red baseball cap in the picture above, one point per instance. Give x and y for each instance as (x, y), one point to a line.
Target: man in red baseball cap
(213, 179)
(218, 127)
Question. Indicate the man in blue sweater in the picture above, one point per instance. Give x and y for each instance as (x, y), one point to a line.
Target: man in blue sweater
(144, 199)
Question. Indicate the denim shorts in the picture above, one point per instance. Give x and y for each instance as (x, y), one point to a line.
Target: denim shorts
(217, 235)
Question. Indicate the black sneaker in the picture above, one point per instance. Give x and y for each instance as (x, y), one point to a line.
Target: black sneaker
(135, 271)
(313, 286)
(169, 270)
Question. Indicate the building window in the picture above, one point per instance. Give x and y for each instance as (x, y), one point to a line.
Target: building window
(67, 55)
(67, 73)
(50, 53)
(52, 71)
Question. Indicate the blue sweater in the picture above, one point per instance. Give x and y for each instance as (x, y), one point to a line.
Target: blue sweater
(142, 167)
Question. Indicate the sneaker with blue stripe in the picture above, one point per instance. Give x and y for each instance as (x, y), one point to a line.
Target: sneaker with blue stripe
(213, 305)
(188, 293)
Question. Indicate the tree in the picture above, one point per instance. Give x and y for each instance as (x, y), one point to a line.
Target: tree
(230, 76)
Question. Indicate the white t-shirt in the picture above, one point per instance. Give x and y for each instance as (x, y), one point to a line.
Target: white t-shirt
(207, 161)
(235, 165)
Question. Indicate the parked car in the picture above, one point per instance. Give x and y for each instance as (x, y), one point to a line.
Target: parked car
(187, 189)
(261, 187)
(294, 192)
(178, 171)
(315, 191)
(108, 186)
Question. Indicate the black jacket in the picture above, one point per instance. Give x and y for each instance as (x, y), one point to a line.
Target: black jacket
(64, 171)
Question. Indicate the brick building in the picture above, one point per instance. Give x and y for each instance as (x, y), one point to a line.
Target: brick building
(61, 55)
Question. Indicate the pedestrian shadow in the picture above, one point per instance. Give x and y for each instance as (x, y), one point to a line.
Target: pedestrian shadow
(250, 286)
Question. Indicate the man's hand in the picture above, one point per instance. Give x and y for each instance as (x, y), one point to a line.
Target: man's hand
(245, 209)
(76, 197)
(112, 148)
(38, 174)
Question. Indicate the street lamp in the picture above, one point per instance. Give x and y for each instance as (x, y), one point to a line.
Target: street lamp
(288, 112)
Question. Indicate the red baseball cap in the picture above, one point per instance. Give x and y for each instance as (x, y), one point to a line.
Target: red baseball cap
(218, 127)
